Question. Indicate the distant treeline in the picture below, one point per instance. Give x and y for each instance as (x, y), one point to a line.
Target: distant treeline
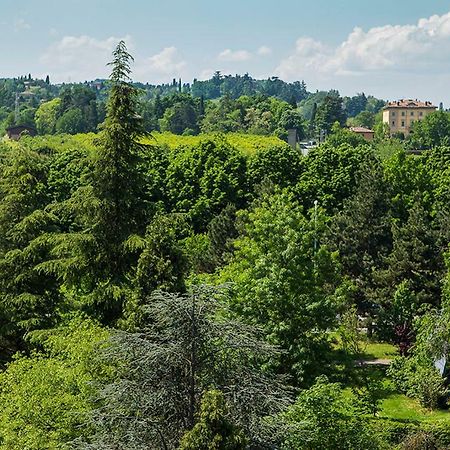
(223, 103)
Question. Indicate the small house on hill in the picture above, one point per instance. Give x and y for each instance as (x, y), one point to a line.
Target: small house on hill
(366, 133)
(17, 131)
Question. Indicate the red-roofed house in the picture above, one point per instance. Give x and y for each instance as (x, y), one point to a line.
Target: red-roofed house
(366, 133)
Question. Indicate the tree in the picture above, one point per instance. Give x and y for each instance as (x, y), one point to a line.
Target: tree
(46, 396)
(361, 232)
(71, 122)
(324, 418)
(47, 115)
(291, 118)
(330, 174)
(414, 257)
(329, 112)
(94, 259)
(285, 281)
(188, 348)
(213, 429)
(432, 131)
(179, 118)
(201, 180)
(279, 164)
(28, 299)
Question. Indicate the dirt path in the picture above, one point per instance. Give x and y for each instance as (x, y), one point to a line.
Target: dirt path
(374, 362)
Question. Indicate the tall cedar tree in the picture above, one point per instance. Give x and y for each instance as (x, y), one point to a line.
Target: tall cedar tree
(115, 180)
(188, 347)
(96, 256)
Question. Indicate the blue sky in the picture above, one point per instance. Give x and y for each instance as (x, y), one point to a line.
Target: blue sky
(390, 49)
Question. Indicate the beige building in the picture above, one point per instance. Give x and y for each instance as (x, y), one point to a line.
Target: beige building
(401, 114)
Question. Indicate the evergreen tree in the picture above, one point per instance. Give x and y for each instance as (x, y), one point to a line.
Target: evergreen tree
(188, 348)
(414, 257)
(28, 298)
(213, 430)
(95, 259)
(361, 232)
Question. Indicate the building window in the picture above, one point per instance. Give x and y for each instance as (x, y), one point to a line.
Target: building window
(403, 123)
(393, 123)
(393, 113)
(403, 113)
(421, 114)
(412, 113)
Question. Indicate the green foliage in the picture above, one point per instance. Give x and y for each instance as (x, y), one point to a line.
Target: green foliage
(28, 298)
(330, 111)
(414, 257)
(181, 116)
(92, 258)
(188, 348)
(162, 262)
(213, 431)
(416, 374)
(71, 122)
(340, 136)
(201, 180)
(47, 115)
(330, 174)
(360, 232)
(282, 283)
(324, 418)
(45, 397)
(280, 164)
(432, 131)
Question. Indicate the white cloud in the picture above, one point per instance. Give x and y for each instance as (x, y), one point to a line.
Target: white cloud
(21, 25)
(420, 48)
(79, 58)
(264, 50)
(206, 74)
(234, 55)
(161, 66)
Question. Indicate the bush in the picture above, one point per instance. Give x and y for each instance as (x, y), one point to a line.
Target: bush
(420, 381)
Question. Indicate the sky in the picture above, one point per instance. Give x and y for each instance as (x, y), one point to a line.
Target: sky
(388, 48)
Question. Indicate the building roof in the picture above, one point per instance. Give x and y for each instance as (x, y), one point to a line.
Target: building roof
(361, 130)
(20, 127)
(409, 103)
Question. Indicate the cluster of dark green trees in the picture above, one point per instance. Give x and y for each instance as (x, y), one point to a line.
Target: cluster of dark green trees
(189, 297)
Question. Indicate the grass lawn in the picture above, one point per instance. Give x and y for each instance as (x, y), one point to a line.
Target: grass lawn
(394, 405)
(398, 406)
(379, 350)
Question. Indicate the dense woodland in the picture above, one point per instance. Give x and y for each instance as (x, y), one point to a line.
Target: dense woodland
(220, 290)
